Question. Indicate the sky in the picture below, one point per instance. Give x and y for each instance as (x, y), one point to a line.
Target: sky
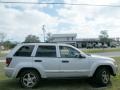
(19, 20)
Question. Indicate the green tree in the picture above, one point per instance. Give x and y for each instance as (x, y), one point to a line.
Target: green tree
(48, 37)
(32, 39)
(8, 44)
(104, 37)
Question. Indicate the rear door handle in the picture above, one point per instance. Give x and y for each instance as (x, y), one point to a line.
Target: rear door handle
(65, 61)
(38, 60)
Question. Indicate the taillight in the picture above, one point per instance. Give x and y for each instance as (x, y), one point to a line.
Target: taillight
(8, 61)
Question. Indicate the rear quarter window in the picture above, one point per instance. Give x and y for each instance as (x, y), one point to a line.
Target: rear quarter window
(25, 51)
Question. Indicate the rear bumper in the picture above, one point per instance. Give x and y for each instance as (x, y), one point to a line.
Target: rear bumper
(9, 72)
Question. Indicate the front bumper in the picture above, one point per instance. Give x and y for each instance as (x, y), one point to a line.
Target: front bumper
(115, 70)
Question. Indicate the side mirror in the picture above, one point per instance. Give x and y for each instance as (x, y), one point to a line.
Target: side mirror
(81, 56)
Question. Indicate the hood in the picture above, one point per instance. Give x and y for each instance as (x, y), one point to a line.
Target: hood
(102, 57)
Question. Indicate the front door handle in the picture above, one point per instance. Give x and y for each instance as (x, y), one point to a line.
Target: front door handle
(38, 60)
(65, 61)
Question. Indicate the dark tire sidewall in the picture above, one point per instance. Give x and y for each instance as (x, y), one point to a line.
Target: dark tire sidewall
(98, 79)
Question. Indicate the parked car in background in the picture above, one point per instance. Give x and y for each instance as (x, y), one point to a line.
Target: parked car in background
(118, 45)
(113, 46)
(104, 46)
(89, 45)
(32, 62)
(99, 45)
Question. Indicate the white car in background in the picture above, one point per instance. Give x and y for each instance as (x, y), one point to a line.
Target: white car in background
(32, 61)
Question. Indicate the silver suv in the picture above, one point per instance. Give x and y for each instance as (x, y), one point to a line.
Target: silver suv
(33, 61)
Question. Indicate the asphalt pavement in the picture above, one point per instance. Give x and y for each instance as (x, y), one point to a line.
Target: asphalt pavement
(108, 54)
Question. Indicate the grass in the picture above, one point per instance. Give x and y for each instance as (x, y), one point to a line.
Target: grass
(74, 84)
(100, 50)
(2, 54)
(2, 76)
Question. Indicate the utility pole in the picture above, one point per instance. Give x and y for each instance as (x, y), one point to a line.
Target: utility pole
(43, 28)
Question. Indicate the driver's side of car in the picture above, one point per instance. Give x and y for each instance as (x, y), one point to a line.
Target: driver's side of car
(71, 62)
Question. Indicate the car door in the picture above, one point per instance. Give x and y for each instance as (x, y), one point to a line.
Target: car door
(47, 61)
(72, 65)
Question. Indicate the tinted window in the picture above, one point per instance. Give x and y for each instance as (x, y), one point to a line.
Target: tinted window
(46, 51)
(25, 51)
(68, 52)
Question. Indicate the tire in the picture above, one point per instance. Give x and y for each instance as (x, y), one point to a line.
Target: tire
(29, 79)
(102, 77)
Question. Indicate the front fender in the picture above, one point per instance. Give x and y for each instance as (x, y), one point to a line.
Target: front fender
(98, 64)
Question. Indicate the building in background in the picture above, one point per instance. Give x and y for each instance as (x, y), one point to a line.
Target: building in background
(77, 42)
(63, 38)
(86, 42)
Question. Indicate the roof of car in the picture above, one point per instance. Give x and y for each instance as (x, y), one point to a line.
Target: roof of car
(43, 44)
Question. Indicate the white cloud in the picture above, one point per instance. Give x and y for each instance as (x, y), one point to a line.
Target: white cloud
(86, 21)
(90, 20)
(19, 0)
(17, 24)
(103, 2)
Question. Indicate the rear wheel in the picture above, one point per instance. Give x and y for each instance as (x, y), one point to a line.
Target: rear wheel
(29, 79)
(102, 76)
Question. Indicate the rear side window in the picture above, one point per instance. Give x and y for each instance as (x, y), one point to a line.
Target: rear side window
(46, 51)
(25, 51)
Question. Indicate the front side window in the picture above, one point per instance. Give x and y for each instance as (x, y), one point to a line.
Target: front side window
(46, 51)
(25, 51)
(68, 52)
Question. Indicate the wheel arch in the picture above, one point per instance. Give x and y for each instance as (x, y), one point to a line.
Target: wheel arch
(27, 68)
(104, 66)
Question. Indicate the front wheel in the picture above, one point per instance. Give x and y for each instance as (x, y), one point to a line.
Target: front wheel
(29, 79)
(102, 76)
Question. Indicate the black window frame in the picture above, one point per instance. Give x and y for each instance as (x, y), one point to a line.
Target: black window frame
(46, 46)
(18, 50)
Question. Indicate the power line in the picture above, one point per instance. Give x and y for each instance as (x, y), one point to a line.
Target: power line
(74, 4)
